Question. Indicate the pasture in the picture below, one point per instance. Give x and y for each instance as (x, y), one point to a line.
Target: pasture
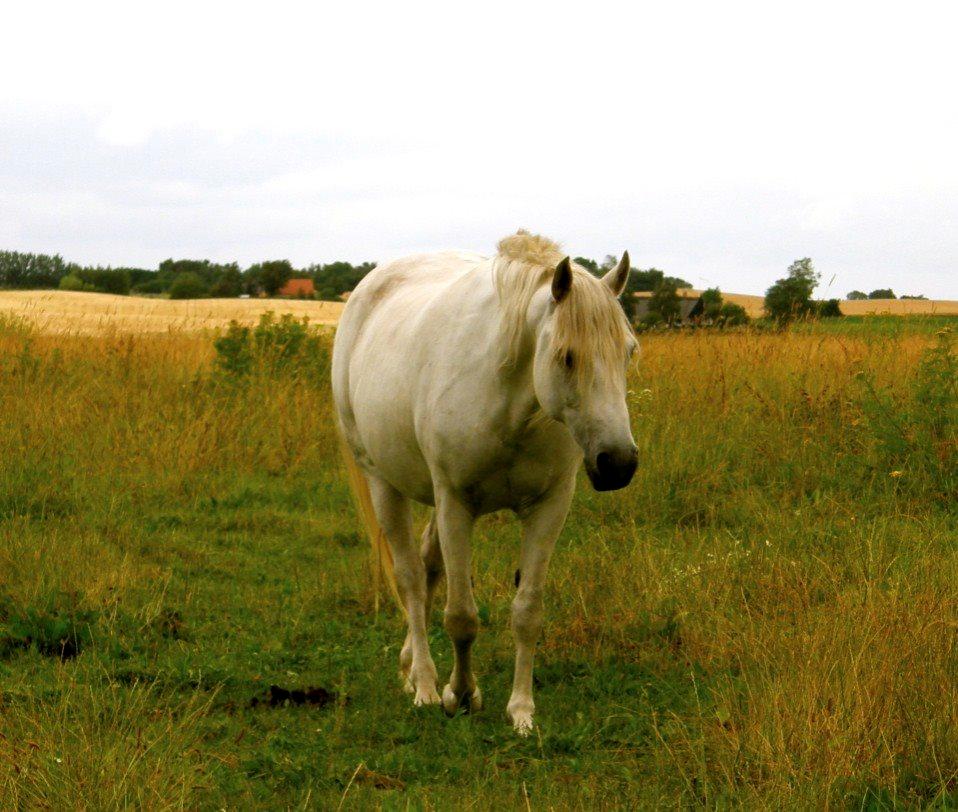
(766, 617)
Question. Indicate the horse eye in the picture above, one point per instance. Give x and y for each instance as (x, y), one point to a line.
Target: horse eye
(569, 359)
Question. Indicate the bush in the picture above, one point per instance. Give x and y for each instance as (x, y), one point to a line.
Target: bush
(829, 309)
(916, 437)
(273, 348)
(154, 285)
(188, 285)
(73, 282)
(732, 315)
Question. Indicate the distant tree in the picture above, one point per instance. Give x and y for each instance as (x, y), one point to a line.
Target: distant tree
(856, 295)
(711, 304)
(665, 301)
(73, 282)
(106, 280)
(916, 296)
(229, 283)
(829, 309)
(650, 279)
(732, 314)
(335, 278)
(188, 285)
(269, 276)
(882, 293)
(589, 264)
(791, 297)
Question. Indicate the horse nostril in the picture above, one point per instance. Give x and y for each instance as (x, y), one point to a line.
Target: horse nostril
(603, 463)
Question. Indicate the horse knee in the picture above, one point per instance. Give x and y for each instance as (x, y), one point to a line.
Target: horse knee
(527, 615)
(462, 624)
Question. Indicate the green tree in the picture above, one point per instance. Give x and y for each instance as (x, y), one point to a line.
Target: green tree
(882, 293)
(229, 283)
(829, 309)
(188, 285)
(856, 295)
(268, 276)
(791, 297)
(711, 304)
(665, 301)
(73, 282)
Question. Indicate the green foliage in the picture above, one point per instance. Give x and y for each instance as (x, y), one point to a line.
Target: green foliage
(790, 298)
(188, 285)
(665, 301)
(649, 280)
(19, 270)
(284, 346)
(228, 284)
(856, 295)
(268, 276)
(73, 282)
(829, 309)
(589, 264)
(335, 278)
(915, 296)
(882, 293)
(106, 280)
(732, 315)
(916, 433)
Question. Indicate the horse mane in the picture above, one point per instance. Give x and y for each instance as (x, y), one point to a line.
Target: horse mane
(588, 322)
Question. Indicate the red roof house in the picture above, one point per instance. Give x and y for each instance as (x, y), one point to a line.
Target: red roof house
(298, 288)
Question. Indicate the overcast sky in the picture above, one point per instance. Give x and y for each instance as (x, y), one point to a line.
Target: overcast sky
(717, 141)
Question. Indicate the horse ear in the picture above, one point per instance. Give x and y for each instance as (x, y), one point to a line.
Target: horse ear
(562, 280)
(618, 276)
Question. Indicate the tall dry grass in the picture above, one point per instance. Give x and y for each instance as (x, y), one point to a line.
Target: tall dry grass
(767, 617)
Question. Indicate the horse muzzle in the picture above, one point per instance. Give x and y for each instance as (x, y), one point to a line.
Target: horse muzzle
(612, 469)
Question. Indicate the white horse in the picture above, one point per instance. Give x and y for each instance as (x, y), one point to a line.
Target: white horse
(477, 384)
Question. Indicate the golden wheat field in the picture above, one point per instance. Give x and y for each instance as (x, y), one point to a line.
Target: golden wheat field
(87, 313)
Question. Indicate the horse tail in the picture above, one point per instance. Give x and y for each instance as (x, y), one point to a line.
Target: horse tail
(382, 559)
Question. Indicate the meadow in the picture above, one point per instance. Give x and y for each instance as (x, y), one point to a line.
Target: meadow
(766, 618)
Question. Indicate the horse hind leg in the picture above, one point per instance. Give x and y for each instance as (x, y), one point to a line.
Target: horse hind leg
(392, 511)
(431, 555)
(461, 619)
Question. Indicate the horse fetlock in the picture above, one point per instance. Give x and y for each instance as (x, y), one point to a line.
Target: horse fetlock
(470, 699)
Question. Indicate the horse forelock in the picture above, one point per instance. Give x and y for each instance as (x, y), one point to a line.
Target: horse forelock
(588, 322)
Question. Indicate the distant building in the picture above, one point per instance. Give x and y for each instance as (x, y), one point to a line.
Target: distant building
(691, 306)
(298, 289)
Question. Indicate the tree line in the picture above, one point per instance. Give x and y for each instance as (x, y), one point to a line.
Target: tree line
(789, 298)
(177, 278)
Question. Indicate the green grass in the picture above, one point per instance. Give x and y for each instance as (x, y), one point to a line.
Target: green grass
(765, 618)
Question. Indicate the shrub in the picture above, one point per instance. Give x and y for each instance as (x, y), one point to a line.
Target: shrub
(731, 315)
(274, 347)
(188, 285)
(829, 309)
(73, 282)
(916, 436)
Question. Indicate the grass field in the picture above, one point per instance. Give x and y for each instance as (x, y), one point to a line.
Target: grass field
(767, 617)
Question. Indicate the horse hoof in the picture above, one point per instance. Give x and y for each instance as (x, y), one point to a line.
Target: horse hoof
(471, 701)
(521, 718)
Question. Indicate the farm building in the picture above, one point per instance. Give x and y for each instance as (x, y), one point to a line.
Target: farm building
(690, 305)
(298, 289)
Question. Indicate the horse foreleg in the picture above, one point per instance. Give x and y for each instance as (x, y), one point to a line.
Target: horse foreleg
(392, 511)
(454, 522)
(541, 526)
